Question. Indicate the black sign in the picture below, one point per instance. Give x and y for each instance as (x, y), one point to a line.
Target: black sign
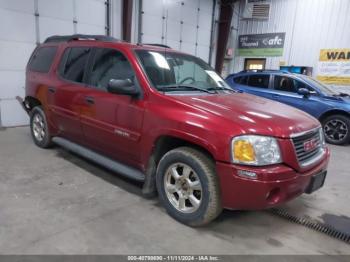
(273, 40)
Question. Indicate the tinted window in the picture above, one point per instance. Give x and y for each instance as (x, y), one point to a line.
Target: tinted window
(244, 80)
(298, 85)
(42, 59)
(259, 81)
(287, 84)
(240, 80)
(109, 64)
(237, 79)
(73, 63)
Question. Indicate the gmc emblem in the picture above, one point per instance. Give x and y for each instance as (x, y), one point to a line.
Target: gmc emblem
(310, 145)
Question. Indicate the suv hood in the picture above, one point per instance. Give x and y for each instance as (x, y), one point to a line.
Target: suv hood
(253, 114)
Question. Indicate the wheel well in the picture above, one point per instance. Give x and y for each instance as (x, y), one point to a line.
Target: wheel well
(163, 145)
(31, 102)
(166, 143)
(333, 112)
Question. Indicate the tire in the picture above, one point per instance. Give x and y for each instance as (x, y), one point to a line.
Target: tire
(39, 128)
(198, 182)
(337, 129)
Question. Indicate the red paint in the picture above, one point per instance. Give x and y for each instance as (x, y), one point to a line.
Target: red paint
(127, 129)
(242, 193)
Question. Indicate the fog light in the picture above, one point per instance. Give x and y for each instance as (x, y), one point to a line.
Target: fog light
(247, 174)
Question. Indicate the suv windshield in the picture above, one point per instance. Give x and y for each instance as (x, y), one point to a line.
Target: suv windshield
(170, 71)
(323, 88)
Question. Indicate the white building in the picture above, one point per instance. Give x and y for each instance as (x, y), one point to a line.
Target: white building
(187, 25)
(309, 26)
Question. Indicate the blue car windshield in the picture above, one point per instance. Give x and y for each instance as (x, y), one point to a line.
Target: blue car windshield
(323, 88)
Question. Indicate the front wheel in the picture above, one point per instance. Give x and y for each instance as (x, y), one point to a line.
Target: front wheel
(39, 128)
(188, 186)
(337, 129)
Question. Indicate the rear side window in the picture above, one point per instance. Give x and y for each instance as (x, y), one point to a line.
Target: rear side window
(73, 63)
(42, 59)
(261, 81)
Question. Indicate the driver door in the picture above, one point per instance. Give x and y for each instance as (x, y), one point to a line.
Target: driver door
(111, 123)
(285, 90)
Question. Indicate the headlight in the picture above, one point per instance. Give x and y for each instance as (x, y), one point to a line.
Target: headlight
(255, 150)
(322, 139)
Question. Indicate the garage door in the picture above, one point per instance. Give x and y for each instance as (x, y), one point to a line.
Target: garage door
(182, 25)
(23, 23)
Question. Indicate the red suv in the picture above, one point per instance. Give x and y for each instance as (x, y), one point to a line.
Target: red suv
(166, 119)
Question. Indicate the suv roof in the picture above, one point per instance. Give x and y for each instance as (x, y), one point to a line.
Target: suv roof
(269, 71)
(68, 38)
(101, 38)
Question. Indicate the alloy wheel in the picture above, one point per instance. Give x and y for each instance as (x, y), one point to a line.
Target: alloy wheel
(183, 188)
(335, 130)
(38, 127)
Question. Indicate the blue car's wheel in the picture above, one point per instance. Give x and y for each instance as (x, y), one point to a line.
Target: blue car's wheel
(337, 129)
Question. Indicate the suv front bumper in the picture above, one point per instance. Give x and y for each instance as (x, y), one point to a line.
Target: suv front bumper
(273, 186)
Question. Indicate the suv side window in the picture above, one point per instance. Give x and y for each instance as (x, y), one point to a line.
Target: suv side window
(298, 85)
(237, 79)
(261, 81)
(42, 59)
(240, 80)
(73, 63)
(109, 64)
(287, 84)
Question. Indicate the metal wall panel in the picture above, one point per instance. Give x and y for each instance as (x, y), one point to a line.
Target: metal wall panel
(20, 30)
(55, 18)
(310, 25)
(17, 41)
(116, 18)
(181, 24)
(91, 16)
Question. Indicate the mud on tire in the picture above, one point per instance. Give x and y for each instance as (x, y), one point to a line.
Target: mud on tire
(195, 181)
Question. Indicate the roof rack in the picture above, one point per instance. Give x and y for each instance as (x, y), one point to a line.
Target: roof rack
(67, 38)
(264, 70)
(159, 45)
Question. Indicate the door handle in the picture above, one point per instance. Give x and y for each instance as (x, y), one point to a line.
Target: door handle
(52, 89)
(90, 100)
(275, 96)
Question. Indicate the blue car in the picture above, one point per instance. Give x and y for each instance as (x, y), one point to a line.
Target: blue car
(331, 108)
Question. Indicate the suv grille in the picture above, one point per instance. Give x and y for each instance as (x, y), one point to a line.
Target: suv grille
(308, 147)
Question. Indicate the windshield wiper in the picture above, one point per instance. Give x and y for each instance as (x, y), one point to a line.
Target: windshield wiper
(222, 88)
(344, 94)
(341, 95)
(175, 87)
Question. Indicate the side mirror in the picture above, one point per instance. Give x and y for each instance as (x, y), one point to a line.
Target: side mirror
(304, 91)
(122, 87)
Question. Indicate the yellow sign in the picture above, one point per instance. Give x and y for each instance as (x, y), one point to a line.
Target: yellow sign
(335, 55)
(334, 66)
(335, 80)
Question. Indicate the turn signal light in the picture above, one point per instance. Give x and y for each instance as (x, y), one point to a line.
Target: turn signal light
(243, 151)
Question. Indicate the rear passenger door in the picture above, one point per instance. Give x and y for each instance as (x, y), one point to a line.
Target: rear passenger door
(112, 123)
(65, 95)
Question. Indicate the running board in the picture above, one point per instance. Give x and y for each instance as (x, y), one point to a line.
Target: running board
(106, 162)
